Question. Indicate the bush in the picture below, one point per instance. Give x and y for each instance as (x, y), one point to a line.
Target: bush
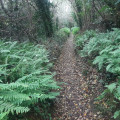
(25, 78)
(55, 45)
(104, 50)
(60, 37)
(65, 30)
(110, 99)
(75, 30)
(81, 40)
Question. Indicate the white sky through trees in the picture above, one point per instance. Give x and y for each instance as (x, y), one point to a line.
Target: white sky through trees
(63, 10)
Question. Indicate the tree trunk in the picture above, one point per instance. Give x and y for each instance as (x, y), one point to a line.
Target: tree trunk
(44, 12)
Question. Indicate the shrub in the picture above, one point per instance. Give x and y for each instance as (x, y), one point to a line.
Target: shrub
(65, 30)
(110, 99)
(75, 30)
(104, 50)
(60, 37)
(81, 40)
(109, 57)
(25, 78)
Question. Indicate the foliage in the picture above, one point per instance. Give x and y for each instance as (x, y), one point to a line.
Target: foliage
(75, 30)
(25, 78)
(83, 39)
(26, 19)
(45, 14)
(110, 57)
(3, 116)
(118, 1)
(104, 50)
(111, 98)
(89, 13)
(55, 44)
(61, 36)
(65, 30)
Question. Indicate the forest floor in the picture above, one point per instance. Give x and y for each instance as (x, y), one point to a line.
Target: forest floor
(76, 100)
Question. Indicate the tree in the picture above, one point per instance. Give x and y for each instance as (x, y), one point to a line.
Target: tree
(45, 15)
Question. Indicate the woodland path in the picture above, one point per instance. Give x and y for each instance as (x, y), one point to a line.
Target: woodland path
(75, 100)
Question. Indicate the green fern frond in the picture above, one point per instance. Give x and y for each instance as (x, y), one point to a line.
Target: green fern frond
(25, 78)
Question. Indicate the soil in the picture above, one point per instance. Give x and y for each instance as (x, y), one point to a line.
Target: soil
(79, 89)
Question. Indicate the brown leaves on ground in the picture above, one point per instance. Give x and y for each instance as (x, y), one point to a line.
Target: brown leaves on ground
(81, 87)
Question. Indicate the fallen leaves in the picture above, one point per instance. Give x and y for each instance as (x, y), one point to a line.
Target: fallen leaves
(76, 100)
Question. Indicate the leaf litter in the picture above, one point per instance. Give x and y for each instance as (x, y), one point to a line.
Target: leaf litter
(76, 100)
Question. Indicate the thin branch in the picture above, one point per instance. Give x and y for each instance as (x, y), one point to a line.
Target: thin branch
(98, 10)
(4, 9)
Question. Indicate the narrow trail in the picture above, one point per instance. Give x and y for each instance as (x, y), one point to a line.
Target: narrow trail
(74, 103)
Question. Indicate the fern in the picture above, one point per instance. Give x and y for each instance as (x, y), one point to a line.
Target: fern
(75, 30)
(25, 78)
(3, 116)
(104, 50)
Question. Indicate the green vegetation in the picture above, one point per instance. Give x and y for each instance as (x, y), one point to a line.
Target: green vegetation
(25, 77)
(30, 42)
(104, 50)
(75, 30)
(32, 34)
(61, 36)
(65, 30)
(81, 40)
(91, 13)
(44, 14)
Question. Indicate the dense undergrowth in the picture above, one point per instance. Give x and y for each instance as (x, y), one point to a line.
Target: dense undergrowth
(65, 30)
(103, 50)
(55, 43)
(25, 77)
(75, 30)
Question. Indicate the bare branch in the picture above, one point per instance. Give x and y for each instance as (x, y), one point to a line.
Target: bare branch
(4, 9)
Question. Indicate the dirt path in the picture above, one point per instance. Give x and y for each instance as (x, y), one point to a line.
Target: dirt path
(77, 94)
